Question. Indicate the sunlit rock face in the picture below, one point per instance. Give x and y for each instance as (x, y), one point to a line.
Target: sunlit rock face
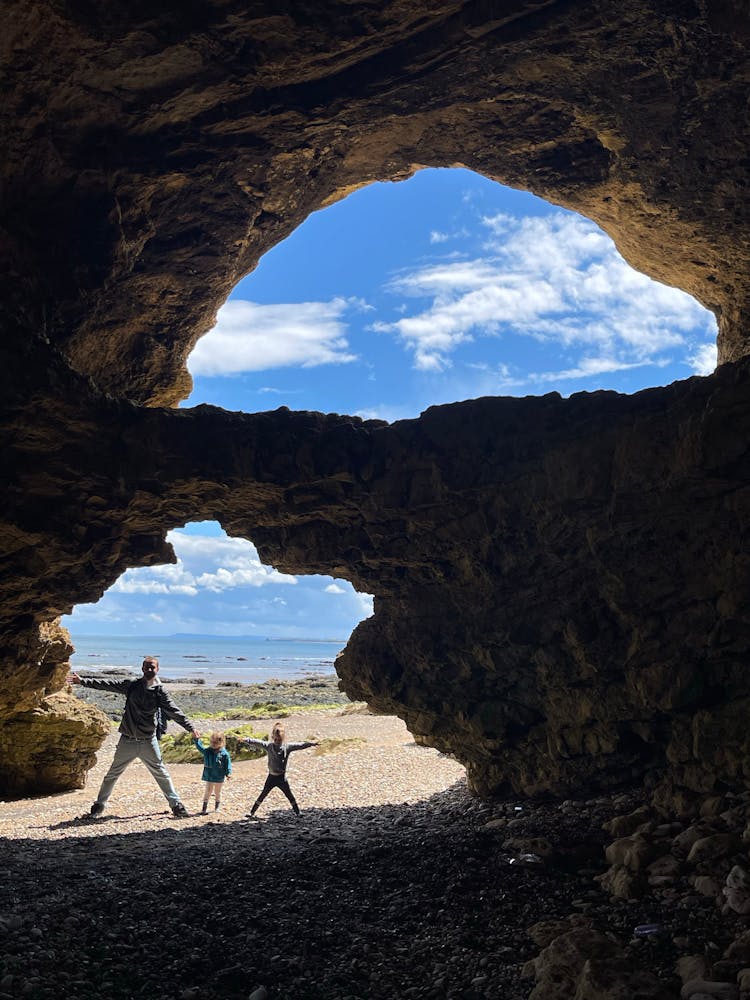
(561, 586)
(48, 738)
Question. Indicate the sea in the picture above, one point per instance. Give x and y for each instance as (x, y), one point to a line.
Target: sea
(209, 659)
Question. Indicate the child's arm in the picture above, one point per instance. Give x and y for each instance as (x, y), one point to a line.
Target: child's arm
(227, 765)
(249, 741)
(301, 746)
(199, 746)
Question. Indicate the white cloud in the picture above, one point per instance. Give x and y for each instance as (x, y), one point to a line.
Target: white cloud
(704, 359)
(204, 562)
(366, 604)
(554, 278)
(333, 588)
(157, 580)
(251, 337)
(436, 236)
(585, 368)
(388, 412)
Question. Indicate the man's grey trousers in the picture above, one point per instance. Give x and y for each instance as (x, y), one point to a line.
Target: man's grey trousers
(146, 750)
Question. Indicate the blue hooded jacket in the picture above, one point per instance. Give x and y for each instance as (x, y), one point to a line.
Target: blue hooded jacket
(217, 764)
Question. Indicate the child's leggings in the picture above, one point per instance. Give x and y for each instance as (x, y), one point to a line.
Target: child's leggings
(276, 781)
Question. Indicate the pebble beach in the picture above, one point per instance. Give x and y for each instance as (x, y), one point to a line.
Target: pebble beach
(393, 882)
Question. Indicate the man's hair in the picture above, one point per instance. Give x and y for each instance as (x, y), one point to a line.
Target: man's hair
(151, 659)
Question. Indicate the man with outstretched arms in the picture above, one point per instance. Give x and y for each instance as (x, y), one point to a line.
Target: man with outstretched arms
(144, 699)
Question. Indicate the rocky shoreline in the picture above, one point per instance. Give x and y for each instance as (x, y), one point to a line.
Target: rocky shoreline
(202, 700)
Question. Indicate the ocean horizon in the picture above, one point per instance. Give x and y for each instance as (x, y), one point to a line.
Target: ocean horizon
(209, 659)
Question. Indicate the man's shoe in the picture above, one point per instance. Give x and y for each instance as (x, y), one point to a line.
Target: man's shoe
(180, 811)
(97, 809)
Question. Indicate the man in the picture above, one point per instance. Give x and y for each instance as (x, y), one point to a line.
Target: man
(144, 697)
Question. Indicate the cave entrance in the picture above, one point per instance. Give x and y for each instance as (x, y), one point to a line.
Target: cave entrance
(223, 623)
(444, 287)
(218, 615)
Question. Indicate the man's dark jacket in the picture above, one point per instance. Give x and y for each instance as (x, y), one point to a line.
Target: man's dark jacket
(141, 705)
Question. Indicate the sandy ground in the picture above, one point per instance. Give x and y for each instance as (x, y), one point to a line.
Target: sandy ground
(386, 767)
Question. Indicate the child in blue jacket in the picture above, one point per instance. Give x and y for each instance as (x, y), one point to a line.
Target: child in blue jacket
(217, 765)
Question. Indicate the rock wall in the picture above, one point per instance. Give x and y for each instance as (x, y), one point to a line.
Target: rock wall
(561, 586)
(48, 739)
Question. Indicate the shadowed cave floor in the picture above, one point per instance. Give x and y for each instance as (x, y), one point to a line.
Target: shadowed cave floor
(397, 892)
(415, 901)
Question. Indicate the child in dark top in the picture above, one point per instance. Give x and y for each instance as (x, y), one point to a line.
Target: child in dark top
(277, 750)
(217, 765)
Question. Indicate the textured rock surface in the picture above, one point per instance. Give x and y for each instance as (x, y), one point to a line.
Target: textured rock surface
(48, 742)
(561, 586)
(52, 747)
(152, 156)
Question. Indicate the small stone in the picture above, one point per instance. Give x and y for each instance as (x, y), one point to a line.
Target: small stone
(719, 845)
(715, 991)
(691, 967)
(707, 886)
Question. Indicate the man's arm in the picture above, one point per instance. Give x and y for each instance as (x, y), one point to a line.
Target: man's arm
(119, 687)
(173, 712)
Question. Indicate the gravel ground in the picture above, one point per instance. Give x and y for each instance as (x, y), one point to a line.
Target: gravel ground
(394, 882)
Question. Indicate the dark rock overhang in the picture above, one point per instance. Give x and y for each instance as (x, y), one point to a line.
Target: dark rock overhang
(567, 611)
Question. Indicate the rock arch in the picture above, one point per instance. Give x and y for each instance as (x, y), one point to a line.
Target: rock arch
(153, 157)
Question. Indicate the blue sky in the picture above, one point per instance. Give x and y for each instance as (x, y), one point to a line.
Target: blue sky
(447, 286)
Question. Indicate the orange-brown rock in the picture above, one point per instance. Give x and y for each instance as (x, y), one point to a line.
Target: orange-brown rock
(48, 741)
(561, 585)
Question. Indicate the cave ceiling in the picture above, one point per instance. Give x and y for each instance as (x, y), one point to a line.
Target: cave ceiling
(560, 585)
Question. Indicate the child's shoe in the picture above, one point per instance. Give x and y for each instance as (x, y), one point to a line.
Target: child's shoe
(204, 810)
(216, 805)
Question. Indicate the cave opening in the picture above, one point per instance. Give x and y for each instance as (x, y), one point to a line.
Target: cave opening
(444, 287)
(216, 612)
(238, 640)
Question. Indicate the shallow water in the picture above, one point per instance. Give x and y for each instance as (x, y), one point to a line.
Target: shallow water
(213, 659)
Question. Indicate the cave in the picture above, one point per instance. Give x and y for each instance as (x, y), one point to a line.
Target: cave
(156, 157)
(154, 153)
